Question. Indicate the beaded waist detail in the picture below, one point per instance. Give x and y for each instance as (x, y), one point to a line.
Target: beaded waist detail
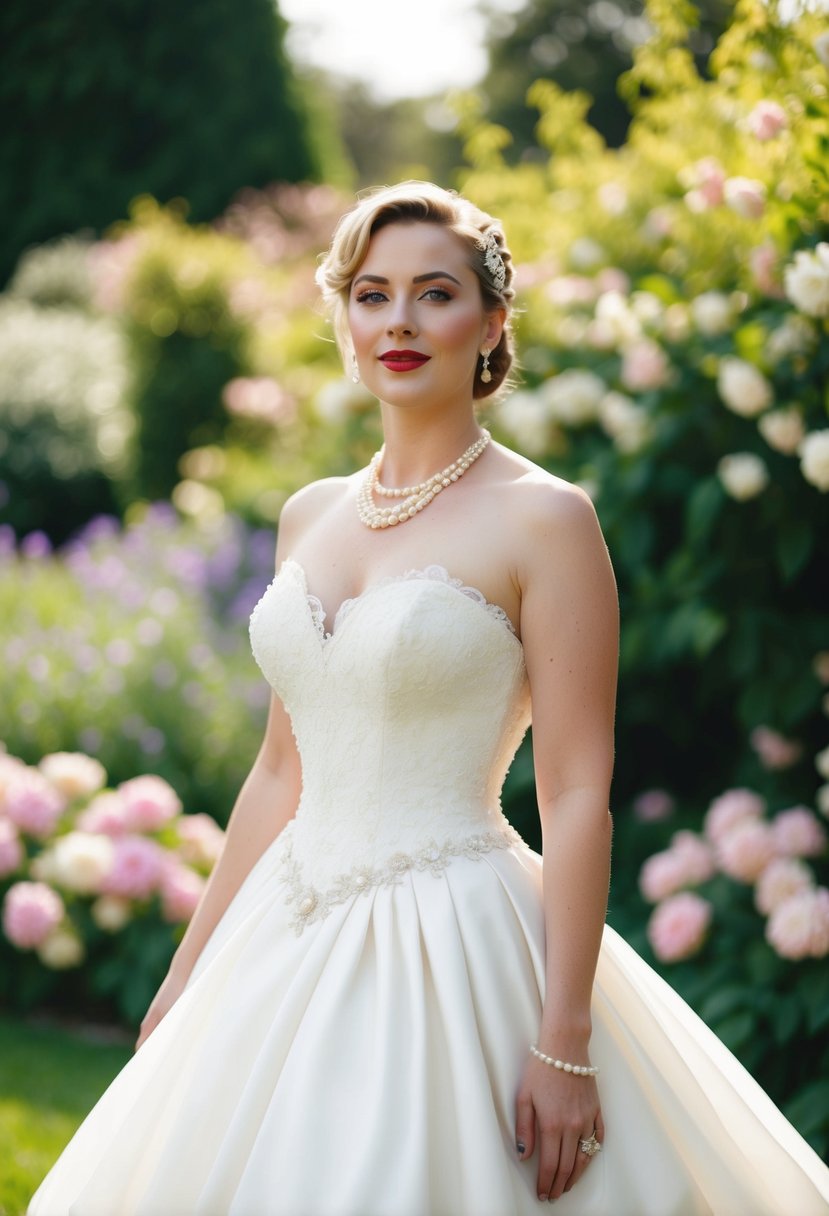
(309, 903)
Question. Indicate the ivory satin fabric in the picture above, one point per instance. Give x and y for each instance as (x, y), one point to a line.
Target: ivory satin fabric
(352, 1038)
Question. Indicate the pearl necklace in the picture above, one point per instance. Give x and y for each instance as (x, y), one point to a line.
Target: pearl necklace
(411, 499)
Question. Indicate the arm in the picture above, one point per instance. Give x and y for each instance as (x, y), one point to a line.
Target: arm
(570, 630)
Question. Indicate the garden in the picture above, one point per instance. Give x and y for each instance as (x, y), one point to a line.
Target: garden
(165, 387)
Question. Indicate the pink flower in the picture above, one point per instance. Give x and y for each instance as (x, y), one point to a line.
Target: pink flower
(773, 749)
(644, 366)
(799, 927)
(782, 878)
(73, 773)
(181, 890)
(746, 850)
(745, 196)
(661, 875)
(12, 852)
(677, 927)
(729, 809)
(766, 120)
(11, 768)
(764, 264)
(149, 803)
(33, 804)
(696, 856)
(201, 839)
(31, 910)
(106, 815)
(651, 806)
(706, 178)
(137, 868)
(798, 833)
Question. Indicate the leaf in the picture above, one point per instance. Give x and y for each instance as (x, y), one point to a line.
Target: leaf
(704, 506)
(786, 1016)
(816, 1000)
(808, 1110)
(736, 1030)
(723, 1002)
(793, 547)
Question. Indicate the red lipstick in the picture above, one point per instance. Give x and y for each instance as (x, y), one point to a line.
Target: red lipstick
(403, 360)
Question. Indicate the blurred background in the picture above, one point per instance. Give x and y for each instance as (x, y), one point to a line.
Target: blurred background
(167, 380)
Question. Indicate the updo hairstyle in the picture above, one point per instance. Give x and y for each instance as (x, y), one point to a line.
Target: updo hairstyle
(418, 202)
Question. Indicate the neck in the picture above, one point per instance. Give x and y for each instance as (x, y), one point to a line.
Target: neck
(414, 449)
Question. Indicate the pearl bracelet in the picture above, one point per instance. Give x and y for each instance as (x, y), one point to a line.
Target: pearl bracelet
(578, 1070)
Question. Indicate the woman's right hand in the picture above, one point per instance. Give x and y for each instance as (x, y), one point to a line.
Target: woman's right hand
(163, 1001)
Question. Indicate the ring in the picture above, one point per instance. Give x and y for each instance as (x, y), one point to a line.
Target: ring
(591, 1146)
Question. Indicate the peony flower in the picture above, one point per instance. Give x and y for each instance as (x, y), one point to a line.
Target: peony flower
(795, 336)
(745, 851)
(745, 196)
(572, 397)
(678, 926)
(783, 429)
(661, 875)
(61, 949)
(706, 179)
(712, 313)
(743, 475)
(696, 855)
(10, 769)
(33, 803)
(814, 459)
(763, 263)
(773, 749)
(111, 913)
(181, 890)
(202, 840)
(76, 775)
(729, 809)
(523, 415)
(743, 387)
(782, 878)
(339, 400)
(624, 421)
(31, 910)
(652, 806)
(822, 762)
(799, 926)
(798, 833)
(644, 366)
(12, 853)
(617, 319)
(105, 814)
(81, 861)
(149, 803)
(766, 120)
(807, 281)
(137, 868)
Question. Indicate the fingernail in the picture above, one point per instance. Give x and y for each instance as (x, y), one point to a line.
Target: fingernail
(521, 1146)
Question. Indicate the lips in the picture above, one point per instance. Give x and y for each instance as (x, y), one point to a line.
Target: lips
(403, 360)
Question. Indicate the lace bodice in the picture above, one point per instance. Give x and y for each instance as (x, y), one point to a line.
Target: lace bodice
(406, 717)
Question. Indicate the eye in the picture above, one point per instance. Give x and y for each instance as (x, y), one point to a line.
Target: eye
(370, 296)
(436, 293)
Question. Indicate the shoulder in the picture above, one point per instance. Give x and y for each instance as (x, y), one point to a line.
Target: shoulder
(541, 507)
(305, 507)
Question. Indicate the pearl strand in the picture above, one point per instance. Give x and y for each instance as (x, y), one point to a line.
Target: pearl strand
(578, 1070)
(412, 499)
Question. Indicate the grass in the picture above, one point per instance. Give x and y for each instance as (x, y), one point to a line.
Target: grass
(50, 1077)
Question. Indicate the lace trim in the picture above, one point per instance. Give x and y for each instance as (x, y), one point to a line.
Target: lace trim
(310, 904)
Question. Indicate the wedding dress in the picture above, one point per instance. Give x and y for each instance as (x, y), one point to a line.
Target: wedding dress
(352, 1038)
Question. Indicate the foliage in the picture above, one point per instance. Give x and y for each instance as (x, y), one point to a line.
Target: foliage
(194, 100)
(132, 645)
(96, 883)
(50, 1078)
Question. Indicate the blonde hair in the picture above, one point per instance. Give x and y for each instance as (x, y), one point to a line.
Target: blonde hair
(419, 202)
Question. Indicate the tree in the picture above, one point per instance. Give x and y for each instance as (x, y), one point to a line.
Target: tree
(105, 101)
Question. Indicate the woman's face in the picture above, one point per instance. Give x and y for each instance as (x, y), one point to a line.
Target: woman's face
(417, 318)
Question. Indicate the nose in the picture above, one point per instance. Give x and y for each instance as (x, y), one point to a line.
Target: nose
(401, 319)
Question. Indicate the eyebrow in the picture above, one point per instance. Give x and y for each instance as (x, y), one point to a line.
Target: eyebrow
(420, 278)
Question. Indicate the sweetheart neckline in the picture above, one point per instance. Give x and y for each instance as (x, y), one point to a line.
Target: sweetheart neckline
(434, 572)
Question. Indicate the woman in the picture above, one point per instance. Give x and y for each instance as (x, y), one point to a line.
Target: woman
(386, 1003)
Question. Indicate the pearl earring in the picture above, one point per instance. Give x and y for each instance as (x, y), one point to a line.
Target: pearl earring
(355, 371)
(486, 374)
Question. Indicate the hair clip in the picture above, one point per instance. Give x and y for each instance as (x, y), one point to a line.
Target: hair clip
(493, 259)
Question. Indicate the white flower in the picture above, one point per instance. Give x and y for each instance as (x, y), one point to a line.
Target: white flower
(822, 800)
(586, 253)
(743, 475)
(794, 337)
(82, 860)
(62, 949)
(624, 421)
(814, 459)
(742, 387)
(573, 396)
(782, 430)
(745, 196)
(524, 416)
(766, 120)
(111, 912)
(73, 773)
(822, 763)
(807, 281)
(712, 313)
(614, 311)
(339, 399)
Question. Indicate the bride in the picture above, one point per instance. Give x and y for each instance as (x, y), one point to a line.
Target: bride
(386, 1003)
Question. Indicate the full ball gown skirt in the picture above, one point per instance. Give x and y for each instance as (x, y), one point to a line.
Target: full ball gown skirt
(352, 1038)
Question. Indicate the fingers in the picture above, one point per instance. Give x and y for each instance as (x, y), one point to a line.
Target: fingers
(524, 1126)
(562, 1161)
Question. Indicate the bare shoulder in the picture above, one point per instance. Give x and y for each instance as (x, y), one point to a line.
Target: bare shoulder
(304, 508)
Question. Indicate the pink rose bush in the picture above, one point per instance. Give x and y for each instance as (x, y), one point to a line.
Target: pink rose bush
(741, 847)
(83, 867)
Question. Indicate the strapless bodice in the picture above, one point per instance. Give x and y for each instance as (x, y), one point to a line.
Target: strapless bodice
(406, 717)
